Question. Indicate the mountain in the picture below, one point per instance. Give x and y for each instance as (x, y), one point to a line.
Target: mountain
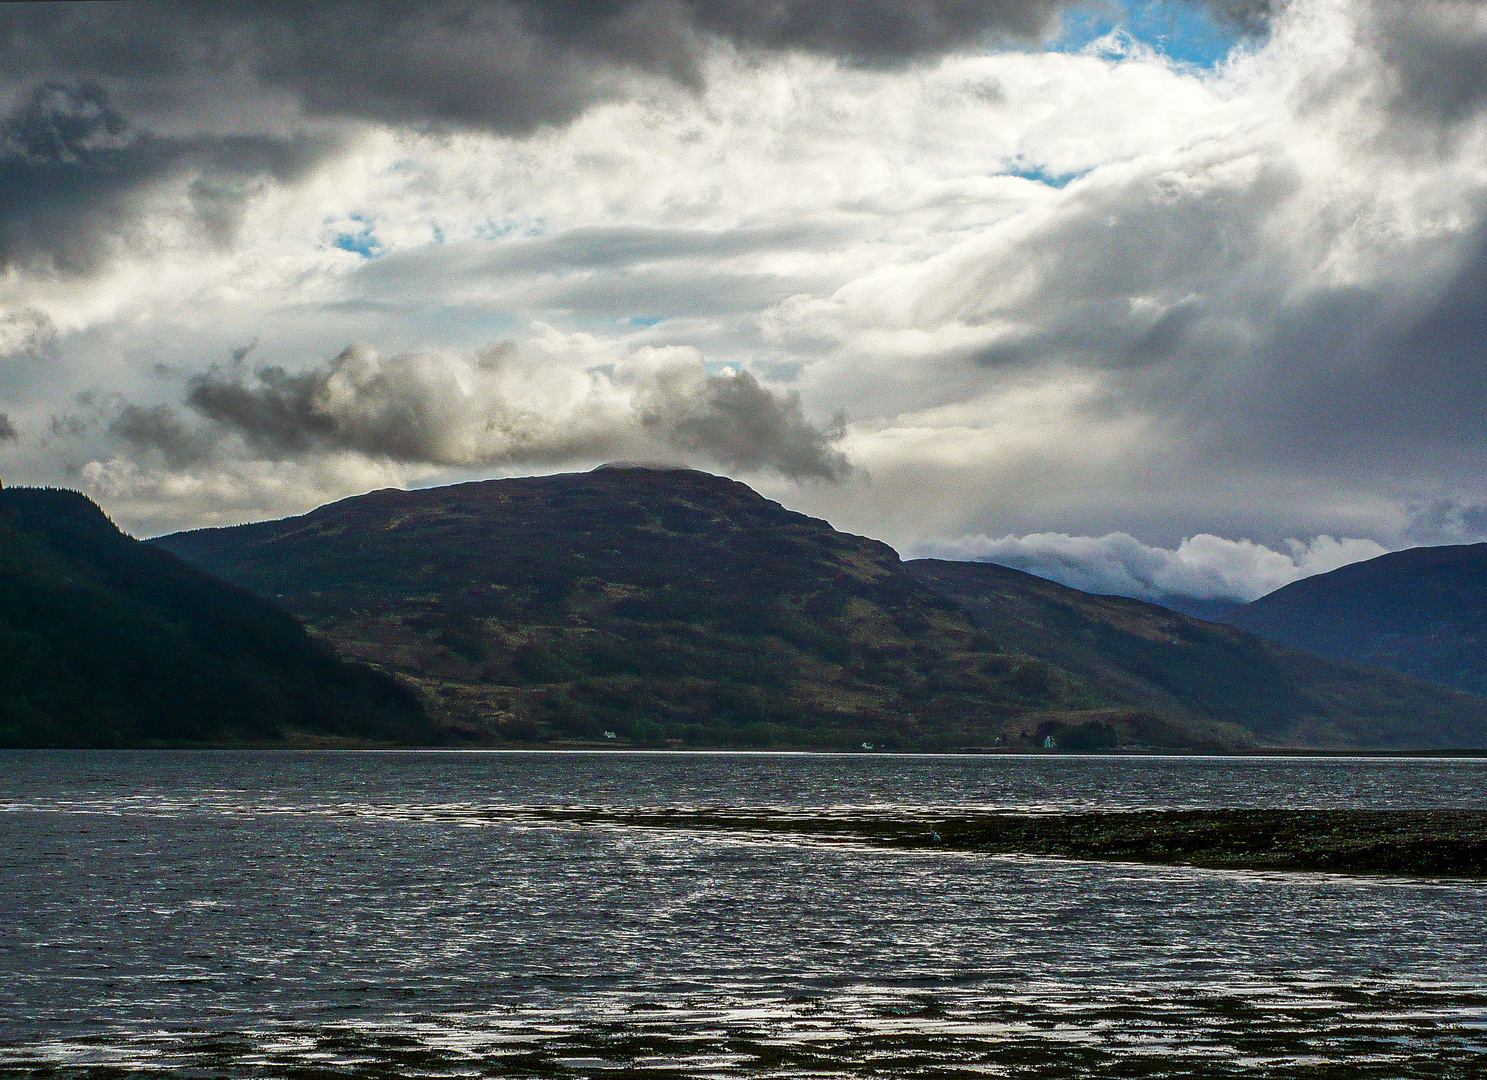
(661, 605)
(1155, 659)
(105, 641)
(671, 607)
(1421, 611)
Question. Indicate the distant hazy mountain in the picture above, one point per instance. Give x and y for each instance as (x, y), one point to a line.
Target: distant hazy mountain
(1154, 658)
(1422, 611)
(1210, 609)
(670, 606)
(105, 641)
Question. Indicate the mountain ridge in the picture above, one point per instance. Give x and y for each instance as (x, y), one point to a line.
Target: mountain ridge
(1421, 611)
(666, 606)
(654, 603)
(1153, 657)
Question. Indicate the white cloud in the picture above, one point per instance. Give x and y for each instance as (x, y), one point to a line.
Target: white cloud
(25, 332)
(1204, 567)
(258, 439)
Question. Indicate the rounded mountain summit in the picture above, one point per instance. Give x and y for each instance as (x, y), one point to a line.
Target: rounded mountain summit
(656, 605)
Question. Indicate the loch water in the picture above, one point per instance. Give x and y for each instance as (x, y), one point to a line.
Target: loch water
(264, 914)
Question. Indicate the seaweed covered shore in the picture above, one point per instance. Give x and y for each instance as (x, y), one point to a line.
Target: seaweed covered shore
(1417, 843)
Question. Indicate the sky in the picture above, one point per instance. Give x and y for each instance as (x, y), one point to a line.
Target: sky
(1181, 300)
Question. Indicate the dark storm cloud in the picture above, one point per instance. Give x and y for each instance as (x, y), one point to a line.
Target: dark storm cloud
(873, 31)
(418, 410)
(1372, 383)
(503, 65)
(94, 87)
(1206, 298)
(1132, 275)
(1384, 376)
(72, 168)
(158, 428)
(8, 432)
(1437, 50)
(1250, 15)
(277, 413)
(735, 421)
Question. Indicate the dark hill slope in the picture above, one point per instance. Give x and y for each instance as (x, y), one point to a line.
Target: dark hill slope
(105, 641)
(660, 605)
(1177, 666)
(1422, 611)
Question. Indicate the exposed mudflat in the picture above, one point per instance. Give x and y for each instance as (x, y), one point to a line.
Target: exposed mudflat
(1419, 843)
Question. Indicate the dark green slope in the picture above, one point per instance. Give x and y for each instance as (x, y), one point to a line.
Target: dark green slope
(1184, 668)
(1422, 611)
(660, 605)
(105, 641)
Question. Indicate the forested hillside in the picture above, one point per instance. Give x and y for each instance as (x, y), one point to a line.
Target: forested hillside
(105, 641)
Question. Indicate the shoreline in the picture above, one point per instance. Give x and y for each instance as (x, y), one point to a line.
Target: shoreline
(1410, 843)
(332, 745)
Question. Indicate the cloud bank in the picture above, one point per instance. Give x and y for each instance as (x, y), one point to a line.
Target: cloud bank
(499, 65)
(1061, 285)
(112, 106)
(488, 408)
(1203, 567)
(115, 106)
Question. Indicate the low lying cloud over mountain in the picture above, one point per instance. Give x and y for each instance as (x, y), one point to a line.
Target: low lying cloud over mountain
(1202, 567)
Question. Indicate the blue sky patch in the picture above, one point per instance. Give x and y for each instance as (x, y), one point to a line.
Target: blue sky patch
(1185, 33)
(363, 241)
(1041, 175)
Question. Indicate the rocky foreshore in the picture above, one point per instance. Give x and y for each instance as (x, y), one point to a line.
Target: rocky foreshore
(1417, 843)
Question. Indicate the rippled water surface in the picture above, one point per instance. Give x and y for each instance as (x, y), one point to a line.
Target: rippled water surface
(265, 914)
